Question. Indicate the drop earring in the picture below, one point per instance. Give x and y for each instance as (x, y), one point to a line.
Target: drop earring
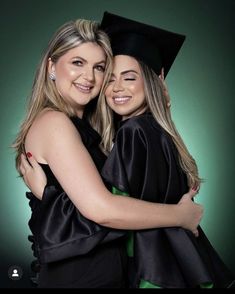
(52, 76)
(168, 104)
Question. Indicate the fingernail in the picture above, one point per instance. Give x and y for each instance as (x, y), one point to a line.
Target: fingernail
(29, 154)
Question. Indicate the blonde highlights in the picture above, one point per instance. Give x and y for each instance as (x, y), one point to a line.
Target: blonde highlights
(44, 93)
(157, 104)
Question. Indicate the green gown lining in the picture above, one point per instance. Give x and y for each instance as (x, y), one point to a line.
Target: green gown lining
(130, 251)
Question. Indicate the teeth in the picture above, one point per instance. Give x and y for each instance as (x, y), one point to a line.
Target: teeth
(83, 88)
(121, 99)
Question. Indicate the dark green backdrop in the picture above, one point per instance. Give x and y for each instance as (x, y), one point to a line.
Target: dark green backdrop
(201, 84)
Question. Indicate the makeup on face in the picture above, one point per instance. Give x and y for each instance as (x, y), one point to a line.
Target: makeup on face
(80, 73)
(125, 90)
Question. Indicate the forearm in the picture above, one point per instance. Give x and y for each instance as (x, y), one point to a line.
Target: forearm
(129, 213)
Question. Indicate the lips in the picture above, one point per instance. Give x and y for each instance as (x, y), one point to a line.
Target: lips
(84, 88)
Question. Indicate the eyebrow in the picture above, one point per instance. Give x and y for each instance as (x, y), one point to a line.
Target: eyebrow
(129, 71)
(126, 72)
(83, 59)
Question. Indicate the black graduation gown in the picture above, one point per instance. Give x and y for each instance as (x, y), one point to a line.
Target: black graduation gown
(144, 164)
(72, 250)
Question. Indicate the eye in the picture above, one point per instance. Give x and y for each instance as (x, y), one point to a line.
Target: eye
(100, 68)
(77, 62)
(110, 80)
(130, 79)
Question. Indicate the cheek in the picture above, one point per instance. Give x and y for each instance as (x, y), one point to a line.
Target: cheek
(138, 91)
(72, 73)
(108, 98)
(107, 91)
(65, 73)
(135, 90)
(109, 102)
(99, 80)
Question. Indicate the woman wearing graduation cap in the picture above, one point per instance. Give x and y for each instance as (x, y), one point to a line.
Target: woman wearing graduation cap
(73, 225)
(149, 158)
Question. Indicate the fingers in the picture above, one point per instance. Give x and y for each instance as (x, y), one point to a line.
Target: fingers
(192, 192)
(161, 76)
(196, 233)
(200, 209)
(32, 160)
(22, 170)
(24, 164)
(166, 93)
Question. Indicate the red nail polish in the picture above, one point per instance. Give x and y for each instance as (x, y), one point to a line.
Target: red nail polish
(29, 154)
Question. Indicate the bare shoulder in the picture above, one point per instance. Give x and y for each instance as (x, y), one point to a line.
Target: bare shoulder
(49, 128)
(49, 122)
(51, 118)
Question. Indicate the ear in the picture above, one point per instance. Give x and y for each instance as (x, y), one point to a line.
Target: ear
(50, 66)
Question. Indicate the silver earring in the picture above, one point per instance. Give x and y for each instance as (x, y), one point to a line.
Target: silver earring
(52, 76)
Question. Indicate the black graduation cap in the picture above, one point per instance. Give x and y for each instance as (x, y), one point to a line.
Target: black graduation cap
(154, 46)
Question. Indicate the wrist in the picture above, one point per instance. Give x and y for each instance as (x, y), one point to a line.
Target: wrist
(178, 214)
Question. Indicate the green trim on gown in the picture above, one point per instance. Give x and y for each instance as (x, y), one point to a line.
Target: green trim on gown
(130, 245)
(130, 252)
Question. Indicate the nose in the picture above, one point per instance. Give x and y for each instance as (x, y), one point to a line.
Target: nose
(88, 74)
(117, 86)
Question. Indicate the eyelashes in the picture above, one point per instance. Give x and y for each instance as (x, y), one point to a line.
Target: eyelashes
(98, 67)
(125, 79)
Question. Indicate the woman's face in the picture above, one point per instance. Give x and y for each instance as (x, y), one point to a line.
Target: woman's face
(125, 90)
(79, 74)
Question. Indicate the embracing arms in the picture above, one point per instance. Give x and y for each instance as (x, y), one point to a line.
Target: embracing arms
(59, 145)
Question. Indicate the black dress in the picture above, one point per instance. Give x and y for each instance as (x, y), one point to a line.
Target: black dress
(144, 163)
(73, 251)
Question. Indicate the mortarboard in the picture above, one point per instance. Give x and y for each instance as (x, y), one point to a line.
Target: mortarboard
(154, 46)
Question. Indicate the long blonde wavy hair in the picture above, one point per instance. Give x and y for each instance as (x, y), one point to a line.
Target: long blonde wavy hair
(44, 93)
(157, 104)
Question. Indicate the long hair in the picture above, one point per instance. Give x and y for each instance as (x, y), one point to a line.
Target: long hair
(157, 104)
(44, 93)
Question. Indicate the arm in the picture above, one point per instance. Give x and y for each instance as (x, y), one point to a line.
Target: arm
(61, 147)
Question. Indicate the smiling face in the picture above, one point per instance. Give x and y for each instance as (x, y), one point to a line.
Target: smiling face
(125, 90)
(79, 74)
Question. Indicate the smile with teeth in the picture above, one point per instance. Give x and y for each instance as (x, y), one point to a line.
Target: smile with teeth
(83, 88)
(121, 100)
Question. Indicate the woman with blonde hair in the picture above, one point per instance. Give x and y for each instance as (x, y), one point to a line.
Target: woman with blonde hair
(78, 226)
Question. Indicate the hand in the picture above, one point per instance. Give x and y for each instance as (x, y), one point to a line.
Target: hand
(165, 90)
(33, 175)
(192, 212)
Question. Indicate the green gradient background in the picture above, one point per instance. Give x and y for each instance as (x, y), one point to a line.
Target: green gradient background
(201, 84)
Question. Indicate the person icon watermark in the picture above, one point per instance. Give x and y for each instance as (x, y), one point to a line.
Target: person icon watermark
(15, 272)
